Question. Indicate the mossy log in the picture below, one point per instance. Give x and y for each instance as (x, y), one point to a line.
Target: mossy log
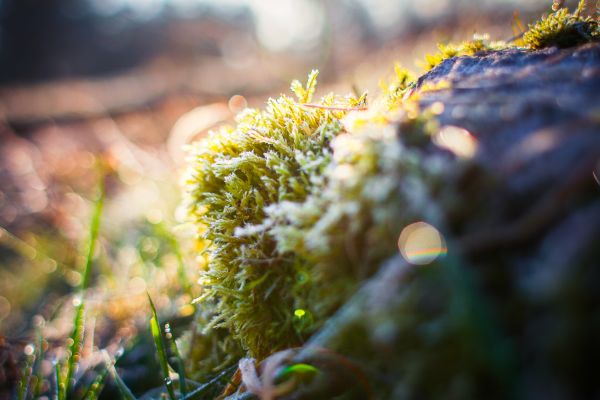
(512, 310)
(299, 206)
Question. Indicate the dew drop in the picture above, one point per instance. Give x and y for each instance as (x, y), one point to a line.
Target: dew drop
(29, 349)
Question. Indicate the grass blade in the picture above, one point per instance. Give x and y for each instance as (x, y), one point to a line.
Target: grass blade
(24, 382)
(60, 389)
(178, 360)
(38, 377)
(160, 348)
(92, 239)
(76, 337)
(76, 340)
(93, 390)
(123, 389)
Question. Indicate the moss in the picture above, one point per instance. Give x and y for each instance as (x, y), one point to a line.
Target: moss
(394, 91)
(297, 204)
(373, 187)
(272, 156)
(562, 29)
(207, 352)
(479, 44)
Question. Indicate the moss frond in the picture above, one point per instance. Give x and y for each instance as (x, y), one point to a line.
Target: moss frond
(394, 91)
(305, 93)
(562, 29)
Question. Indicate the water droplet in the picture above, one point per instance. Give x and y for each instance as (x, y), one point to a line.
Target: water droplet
(167, 328)
(76, 301)
(29, 349)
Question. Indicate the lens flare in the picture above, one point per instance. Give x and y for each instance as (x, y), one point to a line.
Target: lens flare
(420, 243)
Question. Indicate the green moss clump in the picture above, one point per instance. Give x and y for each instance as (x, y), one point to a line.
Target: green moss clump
(297, 204)
(562, 29)
(272, 156)
(479, 44)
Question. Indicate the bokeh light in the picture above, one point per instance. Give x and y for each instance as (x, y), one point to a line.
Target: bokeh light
(456, 139)
(237, 103)
(421, 243)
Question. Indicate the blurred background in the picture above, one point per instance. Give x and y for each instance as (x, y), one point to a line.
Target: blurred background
(112, 89)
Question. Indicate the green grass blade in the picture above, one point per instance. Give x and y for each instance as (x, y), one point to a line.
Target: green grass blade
(76, 337)
(92, 239)
(160, 348)
(76, 340)
(38, 377)
(178, 360)
(24, 382)
(123, 389)
(126, 393)
(93, 390)
(60, 389)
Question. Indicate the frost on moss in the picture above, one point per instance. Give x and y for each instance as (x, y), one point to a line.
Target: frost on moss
(297, 204)
(562, 29)
(374, 186)
(272, 156)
